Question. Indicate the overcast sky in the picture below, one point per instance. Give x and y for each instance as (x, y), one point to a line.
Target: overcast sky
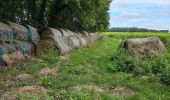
(153, 14)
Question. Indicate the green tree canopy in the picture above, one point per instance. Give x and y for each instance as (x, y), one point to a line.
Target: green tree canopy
(77, 15)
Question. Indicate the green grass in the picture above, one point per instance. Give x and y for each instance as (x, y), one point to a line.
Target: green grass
(89, 66)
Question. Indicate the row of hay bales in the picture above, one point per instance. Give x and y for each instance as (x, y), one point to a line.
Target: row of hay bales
(63, 41)
(16, 42)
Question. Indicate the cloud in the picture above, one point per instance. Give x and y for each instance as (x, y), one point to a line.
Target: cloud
(131, 15)
(140, 13)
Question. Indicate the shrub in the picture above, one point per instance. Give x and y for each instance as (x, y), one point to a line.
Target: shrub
(165, 76)
(158, 65)
(122, 62)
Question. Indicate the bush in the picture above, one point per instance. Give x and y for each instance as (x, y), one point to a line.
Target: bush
(122, 62)
(165, 76)
(158, 65)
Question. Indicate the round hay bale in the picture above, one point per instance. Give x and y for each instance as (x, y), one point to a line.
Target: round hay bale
(64, 32)
(84, 33)
(12, 58)
(84, 42)
(75, 42)
(64, 44)
(27, 48)
(45, 46)
(20, 32)
(144, 46)
(50, 32)
(6, 49)
(69, 32)
(6, 34)
(33, 34)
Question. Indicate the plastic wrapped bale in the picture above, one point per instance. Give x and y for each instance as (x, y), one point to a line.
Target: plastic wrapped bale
(64, 32)
(6, 49)
(144, 46)
(84, 41)
(75, 42)
(20, 32)
(94, 37)
(78, 36)
(6, 34)
(69, 32)
(84, 33)
(27, 48)
(49, 32)
(33, 35)
(47, 42)
(64, 44)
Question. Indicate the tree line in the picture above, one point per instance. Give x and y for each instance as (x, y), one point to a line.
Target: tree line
(77, 15)
(134, 29)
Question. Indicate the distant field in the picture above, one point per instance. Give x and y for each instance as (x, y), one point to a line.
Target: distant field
(136, 34)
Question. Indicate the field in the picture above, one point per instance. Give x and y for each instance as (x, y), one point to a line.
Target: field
(89, 74)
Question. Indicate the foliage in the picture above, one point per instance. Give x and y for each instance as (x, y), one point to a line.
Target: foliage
(165, 76)
(75, 15)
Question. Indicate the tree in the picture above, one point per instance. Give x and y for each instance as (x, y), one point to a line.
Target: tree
(77, 15)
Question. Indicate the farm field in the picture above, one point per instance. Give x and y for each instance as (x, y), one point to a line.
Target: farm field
(90, 73)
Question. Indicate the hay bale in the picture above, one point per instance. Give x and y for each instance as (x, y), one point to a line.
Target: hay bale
(84, 41)
(84, 33)
(45, 46)
(64, 44)
(64, 32)
(6, 49)
(13, 57)
(69, 32)
(75, 42)
(20, 32)
(33, 34)
(144, 46)
(27, 48)
(6, 34)
(49, 32)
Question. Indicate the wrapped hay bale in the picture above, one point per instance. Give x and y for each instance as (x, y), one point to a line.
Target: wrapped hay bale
(84, 33)
(69, 32)
(94, 37)
(144, 46)
(6, 49)
(33, 34)
(55, 40)
(64, 32)
(6, 34)
(49, 32)
(75, 42)
(27, 48)
(20, 32)
(64, 44)
(84, 41)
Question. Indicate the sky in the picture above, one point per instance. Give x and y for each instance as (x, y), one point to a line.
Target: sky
(153, 14)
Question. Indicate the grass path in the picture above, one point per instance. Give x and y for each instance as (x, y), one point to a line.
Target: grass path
(84, 75)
